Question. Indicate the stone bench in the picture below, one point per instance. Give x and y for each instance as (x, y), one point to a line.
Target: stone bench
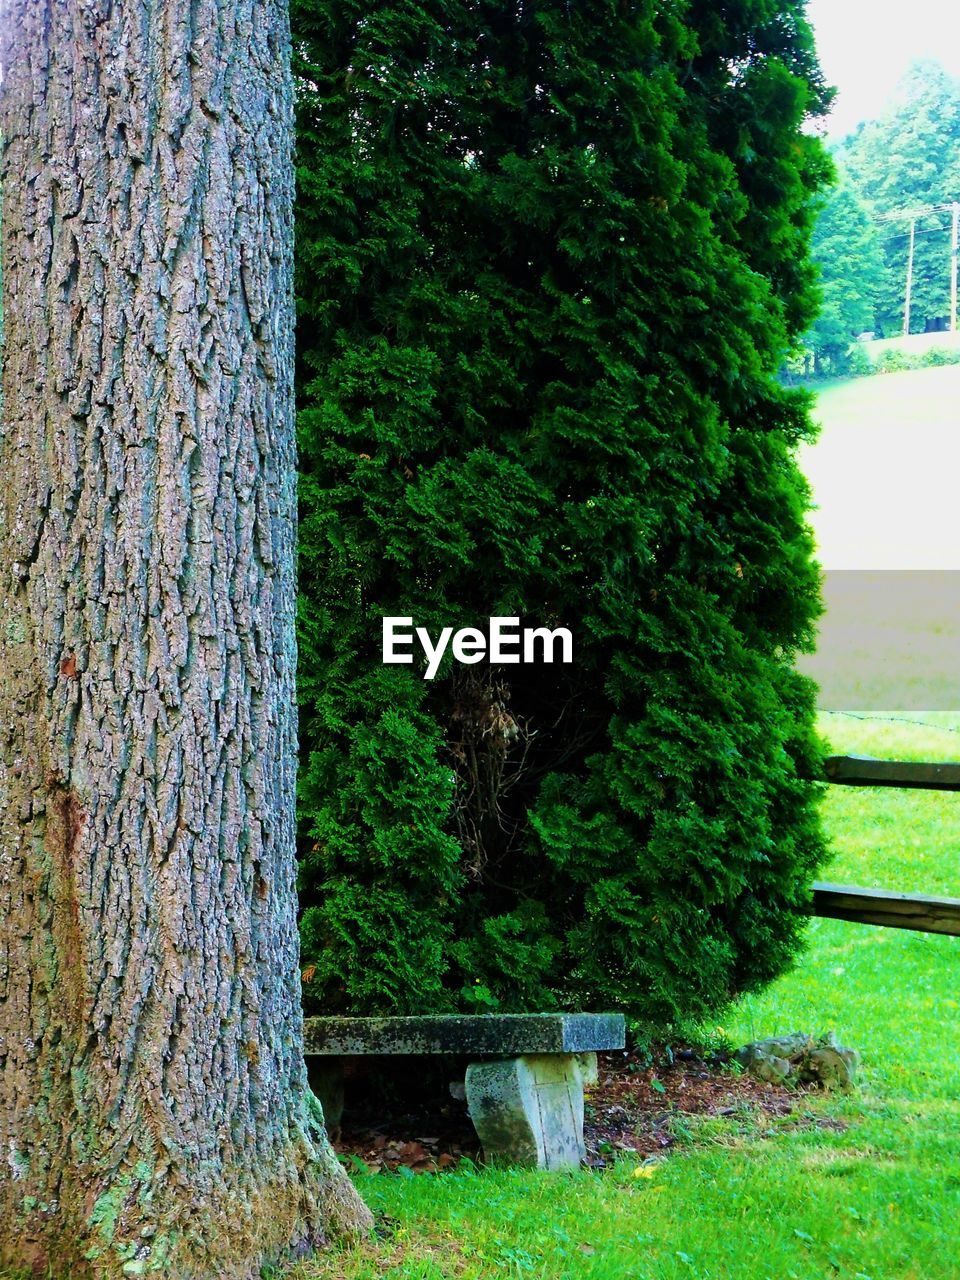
(523, 1085)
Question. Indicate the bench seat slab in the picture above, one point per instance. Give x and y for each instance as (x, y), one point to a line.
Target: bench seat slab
(498, 1034)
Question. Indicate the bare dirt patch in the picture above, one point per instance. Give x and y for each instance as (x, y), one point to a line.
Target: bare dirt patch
(638, 1106)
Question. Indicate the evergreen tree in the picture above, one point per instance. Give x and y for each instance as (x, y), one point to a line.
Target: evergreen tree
(909, 160)
(847, 249)
(550, 256)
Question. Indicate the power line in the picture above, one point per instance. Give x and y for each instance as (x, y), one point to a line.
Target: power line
(909, 215)
(921, 231)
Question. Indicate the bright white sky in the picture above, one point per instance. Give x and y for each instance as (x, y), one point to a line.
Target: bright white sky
(866, 45)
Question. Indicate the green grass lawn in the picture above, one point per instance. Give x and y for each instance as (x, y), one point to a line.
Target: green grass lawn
(876, 1197)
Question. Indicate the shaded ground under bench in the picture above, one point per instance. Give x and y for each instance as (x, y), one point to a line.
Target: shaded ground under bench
(523, 1082)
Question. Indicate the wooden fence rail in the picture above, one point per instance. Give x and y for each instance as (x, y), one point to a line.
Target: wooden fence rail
(862, 771)
(882, 906)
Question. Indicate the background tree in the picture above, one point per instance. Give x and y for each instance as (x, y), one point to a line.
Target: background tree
(154, 1115)
(550, 256)
(907, 160)
(847, 248)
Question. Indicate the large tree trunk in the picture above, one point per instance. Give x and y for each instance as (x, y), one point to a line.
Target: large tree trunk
(154, 1115)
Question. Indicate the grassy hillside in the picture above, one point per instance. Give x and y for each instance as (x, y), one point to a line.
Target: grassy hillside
(917, 344)
(885, 471)
(884, 478)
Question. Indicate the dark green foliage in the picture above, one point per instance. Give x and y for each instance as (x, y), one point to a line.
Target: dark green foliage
(847, 249)
(549, 258)
(907, 160)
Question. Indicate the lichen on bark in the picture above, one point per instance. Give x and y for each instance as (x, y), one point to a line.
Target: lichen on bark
(154, 1111)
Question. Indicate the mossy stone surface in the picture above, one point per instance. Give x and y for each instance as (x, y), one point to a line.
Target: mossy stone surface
(529, 1110)
(494, 1035)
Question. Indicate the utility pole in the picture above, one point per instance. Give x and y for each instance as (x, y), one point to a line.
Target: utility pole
(906, 306)
(954, 236)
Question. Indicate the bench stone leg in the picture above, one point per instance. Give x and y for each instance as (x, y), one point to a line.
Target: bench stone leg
(529, 1110)
(588, 1067)
(325, 1077)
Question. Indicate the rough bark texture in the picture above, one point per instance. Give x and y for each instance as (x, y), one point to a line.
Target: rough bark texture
(154, 1115)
